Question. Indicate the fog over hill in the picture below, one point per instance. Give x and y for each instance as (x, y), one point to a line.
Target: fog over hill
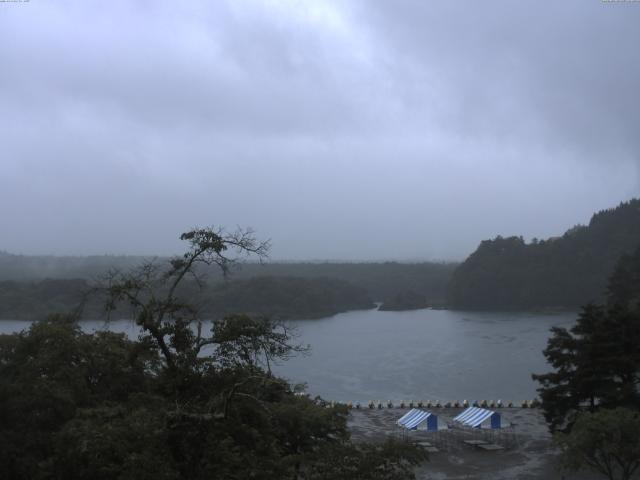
(30, 284)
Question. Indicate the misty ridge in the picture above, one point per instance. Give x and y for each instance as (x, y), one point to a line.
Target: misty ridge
(289, 290)
(560, 273)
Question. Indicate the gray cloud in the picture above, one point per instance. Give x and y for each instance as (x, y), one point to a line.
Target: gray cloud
(359, 130)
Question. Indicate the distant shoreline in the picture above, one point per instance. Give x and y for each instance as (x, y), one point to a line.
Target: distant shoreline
(376, 307)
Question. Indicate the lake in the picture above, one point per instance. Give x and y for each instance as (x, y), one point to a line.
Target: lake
(433, 355)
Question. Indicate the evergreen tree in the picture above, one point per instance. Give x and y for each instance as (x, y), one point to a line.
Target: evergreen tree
(597, 362)
(606, 441)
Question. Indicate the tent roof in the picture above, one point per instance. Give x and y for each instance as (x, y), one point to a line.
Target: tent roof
(413, 418)
(407, 415)
(474, 416)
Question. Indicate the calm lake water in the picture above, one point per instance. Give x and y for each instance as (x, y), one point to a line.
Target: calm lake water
(418, 355)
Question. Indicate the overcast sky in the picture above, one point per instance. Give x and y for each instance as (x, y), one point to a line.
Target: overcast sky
(356, 130)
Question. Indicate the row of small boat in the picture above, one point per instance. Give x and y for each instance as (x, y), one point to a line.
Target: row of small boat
(377, 404)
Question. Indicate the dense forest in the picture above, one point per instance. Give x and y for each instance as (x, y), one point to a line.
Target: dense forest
(380, 279)
(277, 297)
(286, 297)
(32, 286)
(410, 300)
(564, 272)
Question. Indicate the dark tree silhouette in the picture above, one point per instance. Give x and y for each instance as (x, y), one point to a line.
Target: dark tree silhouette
(597, 362)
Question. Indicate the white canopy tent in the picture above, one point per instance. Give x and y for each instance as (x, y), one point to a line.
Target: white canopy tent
(417, 419)
(475, 417)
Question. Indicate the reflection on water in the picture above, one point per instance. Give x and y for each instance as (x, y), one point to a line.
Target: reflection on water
(418, 355)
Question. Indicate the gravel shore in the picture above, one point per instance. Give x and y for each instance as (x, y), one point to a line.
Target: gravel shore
(529, 454)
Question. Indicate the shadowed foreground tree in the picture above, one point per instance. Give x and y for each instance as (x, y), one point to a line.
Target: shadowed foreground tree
(178, 403)
(607, 442)
(597, 362)
(155, 292)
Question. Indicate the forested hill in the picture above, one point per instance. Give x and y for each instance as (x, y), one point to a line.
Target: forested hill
(286, 297)
(277, 297)
(564, 272)
(32, 286)
(381, 280)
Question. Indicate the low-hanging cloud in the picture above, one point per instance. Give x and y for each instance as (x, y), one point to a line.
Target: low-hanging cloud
(343, 130)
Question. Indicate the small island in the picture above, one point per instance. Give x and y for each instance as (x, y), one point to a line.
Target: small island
(410, 300)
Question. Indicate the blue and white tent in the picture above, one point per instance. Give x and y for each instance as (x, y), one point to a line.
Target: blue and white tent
(413, 420)
(475, 416)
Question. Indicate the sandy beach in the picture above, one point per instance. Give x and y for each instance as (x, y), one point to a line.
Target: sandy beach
(529, 454)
